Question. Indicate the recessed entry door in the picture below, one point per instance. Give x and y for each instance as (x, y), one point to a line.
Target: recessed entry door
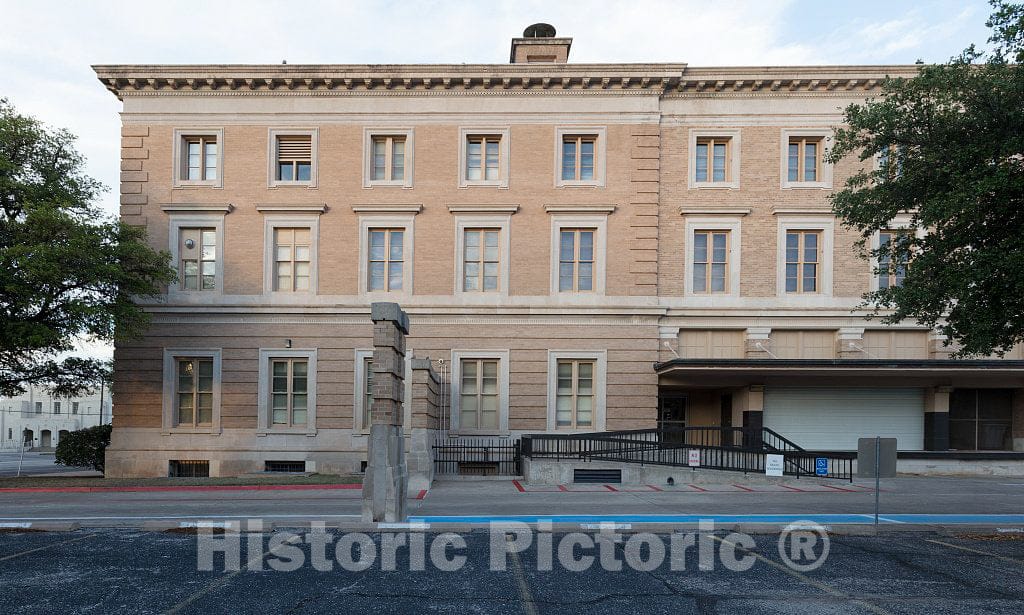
(672, 416)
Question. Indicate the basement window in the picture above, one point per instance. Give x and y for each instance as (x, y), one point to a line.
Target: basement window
(285, 466)
(192, 468)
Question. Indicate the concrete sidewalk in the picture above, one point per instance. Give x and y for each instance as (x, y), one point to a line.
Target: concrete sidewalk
(491, 498)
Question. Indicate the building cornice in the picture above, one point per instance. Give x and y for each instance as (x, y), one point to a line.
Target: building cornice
(477, 79)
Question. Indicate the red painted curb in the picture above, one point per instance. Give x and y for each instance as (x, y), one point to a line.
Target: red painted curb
(518, 486)
(422, 494)
(743, 488)
(177, 488)
(701, 489)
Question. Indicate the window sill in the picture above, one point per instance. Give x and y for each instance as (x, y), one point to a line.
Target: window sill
(806, 186)
(569, 184)
(280, 184)
(208, 431)
(285, 431)
(715, 185)
(465, 433)
(386, 184)
(183, 184)
(484, 185)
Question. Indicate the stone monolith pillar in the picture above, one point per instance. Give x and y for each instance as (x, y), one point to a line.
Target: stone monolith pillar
(385, 483)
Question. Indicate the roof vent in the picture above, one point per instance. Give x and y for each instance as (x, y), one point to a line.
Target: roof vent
(539, 45)
(539, 30)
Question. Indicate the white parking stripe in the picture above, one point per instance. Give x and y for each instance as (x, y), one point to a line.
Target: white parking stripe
(1004, 558)
(43, 548)
(828, 589)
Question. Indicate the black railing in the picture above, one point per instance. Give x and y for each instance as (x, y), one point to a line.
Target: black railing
(477, 456)
(720, 448)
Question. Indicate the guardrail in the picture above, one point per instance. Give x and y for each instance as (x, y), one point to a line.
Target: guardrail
(720, 448)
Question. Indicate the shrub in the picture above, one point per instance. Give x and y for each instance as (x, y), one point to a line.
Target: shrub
(84, 448)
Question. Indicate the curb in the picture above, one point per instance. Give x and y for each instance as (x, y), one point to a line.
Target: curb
(143, 488)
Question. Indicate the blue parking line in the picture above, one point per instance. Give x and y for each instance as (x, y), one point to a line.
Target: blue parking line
(822, 519)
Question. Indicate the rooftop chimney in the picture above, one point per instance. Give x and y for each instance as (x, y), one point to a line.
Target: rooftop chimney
(539, 45)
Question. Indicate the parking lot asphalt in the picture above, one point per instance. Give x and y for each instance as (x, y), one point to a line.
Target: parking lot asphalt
(32, 464)
(905, 495)
(128, 571)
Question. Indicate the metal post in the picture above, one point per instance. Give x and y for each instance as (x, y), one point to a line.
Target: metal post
(103, 386)
(878, 455)
(22, 458)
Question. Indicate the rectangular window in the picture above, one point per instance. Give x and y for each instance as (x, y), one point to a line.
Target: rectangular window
(890, 162)
(478, 400)
(388, 162)
(200, 160)
(39, 407)
(74, 407)
(802, 258)
(197, 250)
(574, 399)
(981, 419)
(294, 158)
(367, 392)
(483, 157)
(481, 258)
(578, 157)
(288, 391)
(712, 160)
(194, 392)
(576, 260)
(56, 407)
(804, 159)
(292, 259)
(710, 261)
(890, 273)
(385, 259)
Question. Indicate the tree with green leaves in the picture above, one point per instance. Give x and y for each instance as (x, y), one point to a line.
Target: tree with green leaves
(67, 271)
(84, 448)
(945, 150)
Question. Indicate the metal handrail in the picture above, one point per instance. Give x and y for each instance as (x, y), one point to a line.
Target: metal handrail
(725, 448)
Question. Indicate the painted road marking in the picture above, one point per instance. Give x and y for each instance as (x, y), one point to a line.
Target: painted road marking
(780, 519)
(224, 579)
(529, 604)
(1012, 560)
(43, 548)
(828, 589)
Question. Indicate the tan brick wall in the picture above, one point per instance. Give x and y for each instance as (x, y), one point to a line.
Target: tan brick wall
(631, 383)
(631, 266)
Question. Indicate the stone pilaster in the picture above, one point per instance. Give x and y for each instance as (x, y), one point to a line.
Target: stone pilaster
(426, 392)
(134, 154)
(385, 484)
(851, 344)
(1017, 418)
(757, 340)
(936, 418)
(937, 348)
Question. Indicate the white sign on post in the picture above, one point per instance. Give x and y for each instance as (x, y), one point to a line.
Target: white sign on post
(773, 465)
(694, 458)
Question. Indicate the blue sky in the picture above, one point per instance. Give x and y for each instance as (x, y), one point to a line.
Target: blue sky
(45, 59)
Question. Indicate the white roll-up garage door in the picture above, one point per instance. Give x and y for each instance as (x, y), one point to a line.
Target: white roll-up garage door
(833, 419)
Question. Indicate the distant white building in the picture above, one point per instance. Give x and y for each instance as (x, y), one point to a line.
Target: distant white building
(40, 420)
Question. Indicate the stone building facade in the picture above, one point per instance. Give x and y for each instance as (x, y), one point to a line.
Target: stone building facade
(579, 247)
(38, 420)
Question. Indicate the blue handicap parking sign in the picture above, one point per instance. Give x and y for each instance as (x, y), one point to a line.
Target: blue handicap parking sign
(821, 466)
